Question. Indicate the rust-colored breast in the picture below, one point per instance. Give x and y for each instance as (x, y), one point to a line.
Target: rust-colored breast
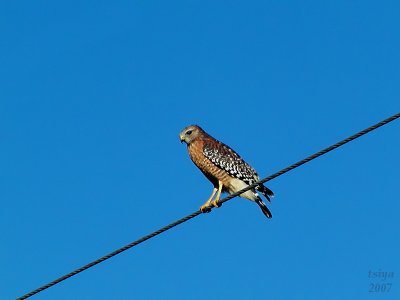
(209, 169)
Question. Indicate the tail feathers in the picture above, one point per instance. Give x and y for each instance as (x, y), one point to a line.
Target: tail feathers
(264, 208)
(265, 191)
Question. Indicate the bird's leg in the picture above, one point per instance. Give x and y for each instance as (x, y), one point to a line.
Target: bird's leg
(216, 203)
(206, 206)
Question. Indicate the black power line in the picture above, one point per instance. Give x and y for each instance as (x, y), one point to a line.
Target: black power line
(196, 213)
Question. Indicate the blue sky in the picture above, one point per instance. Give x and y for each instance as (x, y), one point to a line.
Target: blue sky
(93, 95)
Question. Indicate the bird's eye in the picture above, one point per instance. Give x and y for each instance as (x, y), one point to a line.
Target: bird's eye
(189, 132)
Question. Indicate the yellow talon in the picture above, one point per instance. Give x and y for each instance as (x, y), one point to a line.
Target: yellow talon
(216, 203)
(205, 208)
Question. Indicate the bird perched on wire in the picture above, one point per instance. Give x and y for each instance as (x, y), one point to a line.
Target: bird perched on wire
(226, 170)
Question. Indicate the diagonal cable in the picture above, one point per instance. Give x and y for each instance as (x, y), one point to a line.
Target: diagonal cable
(314, 156)
(196, 213)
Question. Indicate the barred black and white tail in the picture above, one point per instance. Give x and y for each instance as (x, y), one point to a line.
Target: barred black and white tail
(264, 208)
(265, 191)
(267, 194)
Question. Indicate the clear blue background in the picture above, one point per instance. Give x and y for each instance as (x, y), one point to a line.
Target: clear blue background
(93, 95)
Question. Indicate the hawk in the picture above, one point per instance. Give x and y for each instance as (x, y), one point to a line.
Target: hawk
(226, 170)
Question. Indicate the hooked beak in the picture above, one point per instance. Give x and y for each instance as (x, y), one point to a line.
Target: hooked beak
(181, 138)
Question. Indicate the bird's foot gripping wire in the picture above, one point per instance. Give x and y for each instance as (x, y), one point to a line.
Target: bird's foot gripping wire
(216, 203)
(205, 208)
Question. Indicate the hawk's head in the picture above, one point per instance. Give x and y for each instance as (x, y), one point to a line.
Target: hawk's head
(189, 133)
